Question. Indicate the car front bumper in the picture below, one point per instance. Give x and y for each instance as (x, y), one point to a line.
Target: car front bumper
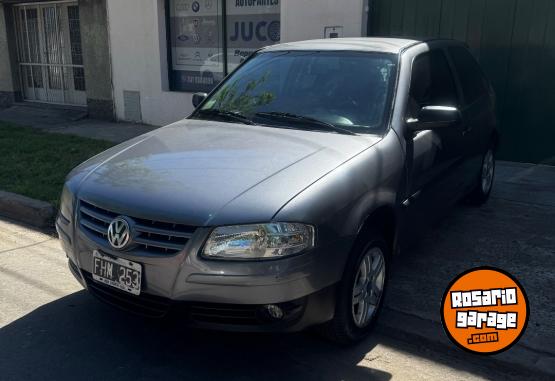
(230, 295)
(298, 314)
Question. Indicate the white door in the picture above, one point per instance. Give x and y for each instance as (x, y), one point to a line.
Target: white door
(49, 51)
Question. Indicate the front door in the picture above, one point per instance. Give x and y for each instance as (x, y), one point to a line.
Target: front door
(478, 111)
(49, 53)
(435, 157)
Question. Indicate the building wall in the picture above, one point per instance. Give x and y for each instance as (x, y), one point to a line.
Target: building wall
(139, 55)
(139, 62)
(514, 40)
(96, 58)
(306, 20)
(7, 91)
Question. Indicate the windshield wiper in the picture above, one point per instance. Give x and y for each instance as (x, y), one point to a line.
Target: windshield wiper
(229, 115)
(303, 119)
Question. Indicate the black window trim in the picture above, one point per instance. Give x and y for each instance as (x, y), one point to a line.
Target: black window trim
(464, 104)
(169, 57)
(454, 76)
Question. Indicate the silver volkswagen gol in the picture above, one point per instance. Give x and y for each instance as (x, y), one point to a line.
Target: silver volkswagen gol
(279, 202)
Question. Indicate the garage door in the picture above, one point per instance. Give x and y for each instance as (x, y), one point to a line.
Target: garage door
(515, 42)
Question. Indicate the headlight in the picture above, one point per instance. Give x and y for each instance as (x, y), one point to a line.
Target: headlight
(259, 241)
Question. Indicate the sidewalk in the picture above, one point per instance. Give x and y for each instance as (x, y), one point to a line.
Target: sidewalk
(72, 121)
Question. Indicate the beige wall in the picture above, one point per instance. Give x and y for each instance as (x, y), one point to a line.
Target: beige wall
(96, 58)
(306, 19)
(138, 47)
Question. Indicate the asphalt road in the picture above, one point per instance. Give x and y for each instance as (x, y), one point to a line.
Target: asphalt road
(515, 232)
(50, 329)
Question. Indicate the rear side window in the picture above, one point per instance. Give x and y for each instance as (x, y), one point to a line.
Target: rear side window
(473, 83)
(431, 82)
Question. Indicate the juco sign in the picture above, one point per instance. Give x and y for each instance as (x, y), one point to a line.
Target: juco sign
(262, 31)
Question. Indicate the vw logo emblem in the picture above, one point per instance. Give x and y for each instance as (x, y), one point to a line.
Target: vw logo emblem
(119, 233)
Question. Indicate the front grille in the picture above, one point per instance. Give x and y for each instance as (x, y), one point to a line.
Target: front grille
(243, 314)
(224, 313)
(152, 306)
(152, 237)
(144, 304)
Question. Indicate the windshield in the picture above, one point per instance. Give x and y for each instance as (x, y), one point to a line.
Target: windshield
(349, 90)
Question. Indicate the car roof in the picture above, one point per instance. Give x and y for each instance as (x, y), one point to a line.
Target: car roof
(367, 44)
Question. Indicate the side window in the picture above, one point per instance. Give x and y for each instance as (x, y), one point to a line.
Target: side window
(431, 83)
(473, 83)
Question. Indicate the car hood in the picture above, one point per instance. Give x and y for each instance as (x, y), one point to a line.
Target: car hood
(209, 173)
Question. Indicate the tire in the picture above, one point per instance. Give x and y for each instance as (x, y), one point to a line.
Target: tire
(345, 328)
(480, 194)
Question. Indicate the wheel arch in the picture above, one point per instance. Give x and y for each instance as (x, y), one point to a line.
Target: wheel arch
(385, 220)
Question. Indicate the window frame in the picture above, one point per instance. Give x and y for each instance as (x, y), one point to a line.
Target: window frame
(465, 103)
(169, 57)
(224, 48)
(452, 72)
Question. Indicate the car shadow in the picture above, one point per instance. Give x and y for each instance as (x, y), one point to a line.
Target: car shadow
(77, 337)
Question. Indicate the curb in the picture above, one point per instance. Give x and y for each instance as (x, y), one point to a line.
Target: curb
(33, 212)
(430, 334)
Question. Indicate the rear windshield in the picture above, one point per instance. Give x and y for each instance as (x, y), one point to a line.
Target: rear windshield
(351, 90)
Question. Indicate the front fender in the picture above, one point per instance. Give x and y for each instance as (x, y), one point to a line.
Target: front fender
(339, 203)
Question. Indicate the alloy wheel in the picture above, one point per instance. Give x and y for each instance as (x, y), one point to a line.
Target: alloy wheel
(368, 286)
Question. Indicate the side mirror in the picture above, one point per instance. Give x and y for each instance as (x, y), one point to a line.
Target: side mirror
(434, 117)
(198, 98)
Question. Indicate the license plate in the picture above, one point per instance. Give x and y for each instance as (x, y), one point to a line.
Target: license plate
(117, 272)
